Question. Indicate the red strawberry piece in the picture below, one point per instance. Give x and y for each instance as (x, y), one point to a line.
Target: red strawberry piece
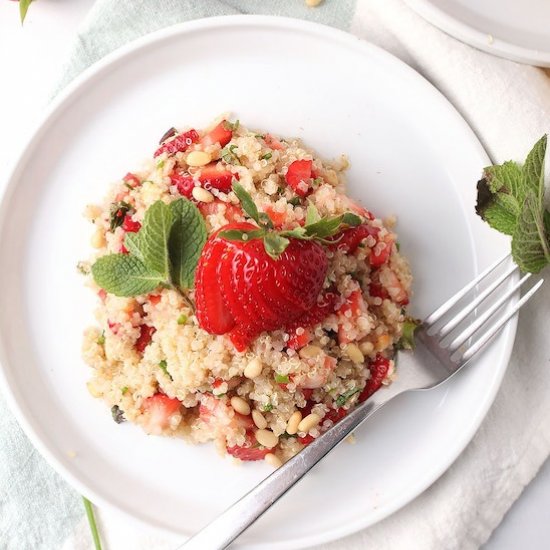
(380, 255)
(159, 409)
(220, 134)
(298, 176)
(154, 299)
(179, 144)
(298, 341)
(217, 383)
(251, 450)
(212, 312)
(272, 142)
(320, 311)
(336, 414)
(349, 239)
(306, 440)
(376, 290)
(348, 312)
(378, 371)
(123, 249)
(244, 421)
(129, 225)
(233, 213)
(308, 392)
(278, 218)
(251, 292)
(131, 179)
(212, 177)
(145, 336)
(184, 182)
(102, 294)
(114, 327)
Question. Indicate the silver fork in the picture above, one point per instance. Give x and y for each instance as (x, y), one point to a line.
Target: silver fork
(439, 354)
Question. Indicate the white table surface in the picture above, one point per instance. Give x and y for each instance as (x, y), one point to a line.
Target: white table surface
(31, 59)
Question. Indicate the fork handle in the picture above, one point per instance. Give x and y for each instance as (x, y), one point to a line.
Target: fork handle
(221, 532)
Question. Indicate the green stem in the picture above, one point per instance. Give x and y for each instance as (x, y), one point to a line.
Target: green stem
(91, 520)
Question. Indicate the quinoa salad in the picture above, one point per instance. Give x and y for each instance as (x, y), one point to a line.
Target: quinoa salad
(243, 298)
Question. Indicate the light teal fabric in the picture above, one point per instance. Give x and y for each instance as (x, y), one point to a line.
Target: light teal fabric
(37, 508)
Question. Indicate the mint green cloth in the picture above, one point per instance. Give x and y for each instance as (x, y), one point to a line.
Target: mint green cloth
(38, 510)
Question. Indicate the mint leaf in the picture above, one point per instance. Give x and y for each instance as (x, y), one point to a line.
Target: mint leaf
(132, 242)
(186, 241)
(533, 170)
(246, 202)
(275, 244)
(153, 239)
(125, 275)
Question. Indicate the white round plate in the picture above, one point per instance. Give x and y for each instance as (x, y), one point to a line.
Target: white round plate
(515, 30)
(411, 155)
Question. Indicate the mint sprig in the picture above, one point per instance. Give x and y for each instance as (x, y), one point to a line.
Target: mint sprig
(276, 242)
(164, 252)
(510, 198)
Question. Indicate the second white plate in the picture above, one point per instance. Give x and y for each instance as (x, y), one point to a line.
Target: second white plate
(411, 154)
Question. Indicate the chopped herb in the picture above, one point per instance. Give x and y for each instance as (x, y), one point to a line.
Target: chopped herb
(268, 407)
(101, 338)
(160, 164)
(233, 126)
(124, 390)
(295, 201)
(164, 367)
(117, 213)
(267, 156)
(259, 136)
(407, 336)
(342, 399)
(228, 154)
(182, 319)
(118, 414)
(127, 185)
(398, 246)
(282, 378)
(286, 435)
(317, 181)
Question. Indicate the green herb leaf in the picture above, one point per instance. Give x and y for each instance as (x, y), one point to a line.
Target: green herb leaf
(23, 8)
(124, 390)
(268, 407)
(295, 201)
(241, 234)
(133, 244)
(246, 202)
(407, 336)
(312, 214)
(187, 239)
(163, 365)
(117, 214)
(275, 244)
(343, 398)
(282, 378)
(267, 156)
(101, 339)
(350, 219)
(125, 275)
(91, 520)
(228, 154)
(153, 239)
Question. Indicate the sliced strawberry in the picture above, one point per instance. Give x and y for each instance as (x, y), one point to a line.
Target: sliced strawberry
(129, 225)
(319, 312)
(159, 410)
(132, 179)
(378, 371)
(213, 177)
(298, 176)
(211, 309)
(272, 142)
(184, 182)
(145, 336)
(178, 144)
(221, 134)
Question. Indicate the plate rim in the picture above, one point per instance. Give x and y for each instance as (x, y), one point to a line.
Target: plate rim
(477, 39)
(71, 92)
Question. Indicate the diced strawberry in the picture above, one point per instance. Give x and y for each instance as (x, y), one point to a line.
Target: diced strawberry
(145, 336)
(244, 421)
(102, 294)
(298, 176)
(221, 134)
(393, 286)
(209, 208)
(129, 225)
(211, 177)
(159, 410)
(306, 440)
(114, 327)
(277, 218)
(184, 183)
(380, 255)
(154, 299)
(336, 414)
(298, 341)
(233, 213)
(251, 450)
(376, 290)
(123, 249)
(319, 377)
(131, 179)
(348, 312)
(272, 142)
(308, 392)
(349, 239)
(119, 197)
(179, 144)
(217, 383)
(378, 371)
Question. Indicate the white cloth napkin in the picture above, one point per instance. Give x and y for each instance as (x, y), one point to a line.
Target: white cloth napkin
(508, 106)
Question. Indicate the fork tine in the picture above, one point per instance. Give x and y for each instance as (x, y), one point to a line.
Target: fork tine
(441, 310)
(462, 314)
(470, 352)
(463, 336)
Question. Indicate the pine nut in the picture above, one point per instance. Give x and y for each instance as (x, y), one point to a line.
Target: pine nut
(354, 353)
(266, 438)
(240, 405)
(308, 352)
(366, 348)
(253, 369)
(293, 422)
(98, 239)
(313, 3)
(310, 421)
(273, 460)
(202, 195)
(197, 158)
(259, 419)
